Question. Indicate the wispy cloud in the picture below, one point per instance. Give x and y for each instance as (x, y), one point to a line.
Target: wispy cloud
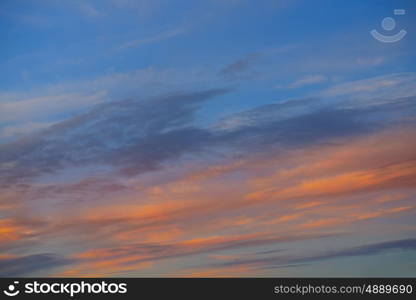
(302, 164)
(148, 140)
(40, 107)
(35, 264)
(382, 87)
(308, 80)
(239, 66)
(15, 131)
(158, 118)
(88, 9)
(168, 34)
(284, 260)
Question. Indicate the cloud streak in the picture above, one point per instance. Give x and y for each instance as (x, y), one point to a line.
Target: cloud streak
(144, 185)
(284, 261)
(30, 264)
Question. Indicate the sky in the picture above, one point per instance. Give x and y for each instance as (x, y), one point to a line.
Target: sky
(207, 138)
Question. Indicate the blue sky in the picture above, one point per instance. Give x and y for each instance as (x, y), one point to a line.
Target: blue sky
(53, 46)
(58, 47)
(117, 112)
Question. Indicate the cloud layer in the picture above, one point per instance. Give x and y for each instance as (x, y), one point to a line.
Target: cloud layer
(138, 183)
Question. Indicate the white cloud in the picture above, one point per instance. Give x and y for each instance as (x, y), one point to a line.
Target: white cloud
(308, 80)
(88, 9)
(387, 86)
(23, 129)
(38, 107)
(153, 39)
(370, 61)
(304, 81)
(55, 102)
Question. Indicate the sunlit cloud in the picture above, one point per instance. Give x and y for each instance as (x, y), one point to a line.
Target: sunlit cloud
(143, 138)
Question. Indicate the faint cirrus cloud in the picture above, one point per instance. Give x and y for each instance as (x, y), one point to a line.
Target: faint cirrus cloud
(165, 35)
(304, 81)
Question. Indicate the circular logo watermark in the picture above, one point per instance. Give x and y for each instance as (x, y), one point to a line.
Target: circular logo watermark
(389, 24)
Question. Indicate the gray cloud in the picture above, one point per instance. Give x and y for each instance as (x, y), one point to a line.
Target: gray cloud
(371, 249)
(31, 264)
(239, 66)
(305, 121)
(154, 252)
(132, 133)
(281, 261)
(134, 136)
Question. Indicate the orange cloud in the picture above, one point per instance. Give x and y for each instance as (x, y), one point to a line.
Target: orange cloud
(380, 213)
(11, 230)
(359, 166)
(234, 271)
(244, 203)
